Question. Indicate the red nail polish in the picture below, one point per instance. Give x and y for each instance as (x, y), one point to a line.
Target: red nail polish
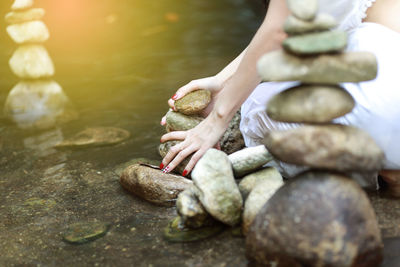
(185, 172)
(161, 166)
(174, 97)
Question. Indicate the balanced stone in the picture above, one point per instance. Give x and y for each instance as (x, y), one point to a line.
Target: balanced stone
(163, 150)
(98, 136)
(270, 175)
(29, 32)
(31, 62)
(249, 160)
(316, 219)
(310, 104)
(153, 185)
(22, 4)
(316, 43)
(325, 69)
(322, 22)
(15, 17)
(257, 198)
(194, 102)
(217, 189)
(303, 9)
(232, 140)
(84, 232)
(180, 122)
(191, 211)
(336, 147)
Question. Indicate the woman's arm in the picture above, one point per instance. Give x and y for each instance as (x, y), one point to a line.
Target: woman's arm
(199, 139)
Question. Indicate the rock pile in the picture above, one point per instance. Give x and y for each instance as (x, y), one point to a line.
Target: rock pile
(301, 233)
(37, 101)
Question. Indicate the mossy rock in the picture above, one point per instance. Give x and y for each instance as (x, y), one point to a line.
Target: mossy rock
(84, 232)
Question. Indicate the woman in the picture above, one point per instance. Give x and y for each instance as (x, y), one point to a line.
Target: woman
(372, 26)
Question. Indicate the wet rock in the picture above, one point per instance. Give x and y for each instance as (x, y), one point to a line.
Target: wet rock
(29, 32)
(326, 69)
(121, 167)
(249, 160)
(22, 4)
(80, 233)
(153, 185)
(336, 147)
(39, 104)
(310, 104)
(322, 22)
(15, 17)
(177, 233)
(257, 198)
(180, 122)
(217, 189)
(317, 219)
(163, 151)
(316, 43)
(31, 62)
(304, 9)
(232, 140)
(192, 213)
(270, 175)
(194, 102)
(99, 136)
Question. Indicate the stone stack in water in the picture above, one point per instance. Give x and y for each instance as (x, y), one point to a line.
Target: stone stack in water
(36, 101)
(313, 55)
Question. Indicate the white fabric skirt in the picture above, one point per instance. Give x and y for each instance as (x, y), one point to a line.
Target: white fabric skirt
(377, 109)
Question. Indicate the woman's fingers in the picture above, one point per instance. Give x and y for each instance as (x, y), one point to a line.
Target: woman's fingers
(184, 90)
(163, 121)
(176, 135)
(195, 158)
(179, 157)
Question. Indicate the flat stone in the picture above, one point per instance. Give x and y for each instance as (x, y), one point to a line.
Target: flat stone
(269, 174)
(99, 136)
(163, 150)
(310, 104)
(176, 232)
(232, 140)
(15, 17)
(194, 102)
(316, 43)
(22, 4)
(31, 62)
(217, 189)
(36, 104)
(322, 22)
(84, 232)
(29, 32)
(335, 147)
(191, 211)
(326, 69)
(316, 219)
(249, 160)
(257, 198)
(180, 122)
(153, 185)
(121, 167)
(303, 9)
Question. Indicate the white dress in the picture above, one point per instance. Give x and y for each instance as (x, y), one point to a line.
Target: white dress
(377, 109)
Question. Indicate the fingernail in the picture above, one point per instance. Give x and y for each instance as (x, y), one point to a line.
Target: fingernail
(161, 166)
(185, 172)
(166, 170)
(174, 97)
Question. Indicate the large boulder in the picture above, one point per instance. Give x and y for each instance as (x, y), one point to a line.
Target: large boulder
(29, 32)
(194, 102)
(317, 219)
(153, 185)
(217, 189)
(322, 22)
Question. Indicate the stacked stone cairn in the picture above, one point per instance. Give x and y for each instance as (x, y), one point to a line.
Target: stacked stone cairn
(36, 101)
(321, 217)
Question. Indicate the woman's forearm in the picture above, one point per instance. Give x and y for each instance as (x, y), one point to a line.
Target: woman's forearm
(224, 75)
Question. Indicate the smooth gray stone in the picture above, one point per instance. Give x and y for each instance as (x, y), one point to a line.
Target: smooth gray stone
(22, 4)
(194, 102)
(249, 160)
(269, 174)
(316, 219)
(217, 189)
(326, 69)
(180, 122)
(163, 150)
(334, 147)
(15, 17)
(316, 43)
(322, 22)
(310, 104)
(29, 32)
(303, 9)
(31, 62)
